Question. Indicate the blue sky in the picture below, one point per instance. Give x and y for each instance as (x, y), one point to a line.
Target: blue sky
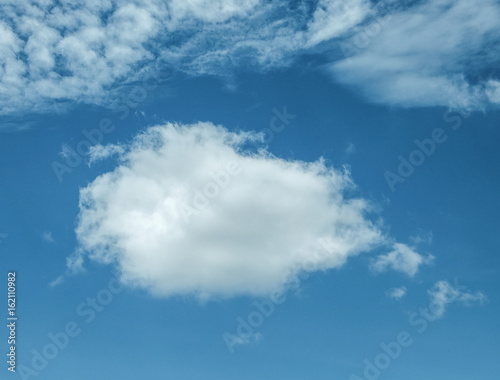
(240, 162)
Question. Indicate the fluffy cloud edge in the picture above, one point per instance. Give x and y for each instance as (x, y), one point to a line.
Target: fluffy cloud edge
(293, 216)
(396, 293)
(402, 258)
(443, 294)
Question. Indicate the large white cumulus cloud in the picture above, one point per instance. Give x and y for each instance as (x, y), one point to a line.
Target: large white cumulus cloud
(189, 211)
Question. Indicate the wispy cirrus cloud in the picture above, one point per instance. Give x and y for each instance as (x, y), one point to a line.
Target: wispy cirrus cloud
(428, 53)
(55, 53)
(333, 18)
(432, 53)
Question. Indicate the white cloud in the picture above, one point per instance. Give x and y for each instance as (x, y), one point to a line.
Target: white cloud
(211, 11)
(263, 40)
(402, 259)
(58, 281)
(443, 294)
(396, 293)
(422, 237)
(51, 52)
(47, 237)
(351, 148)
(332, 18)
(58, 51)
(493, 91)
(426, 55)
(100, 152)
(190, 211)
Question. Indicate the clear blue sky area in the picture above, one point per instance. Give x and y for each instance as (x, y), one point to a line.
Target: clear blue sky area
(422, 302)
